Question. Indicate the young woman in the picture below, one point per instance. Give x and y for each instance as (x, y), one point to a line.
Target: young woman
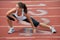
(20, 14)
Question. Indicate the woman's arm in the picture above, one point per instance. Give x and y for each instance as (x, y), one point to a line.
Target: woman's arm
(28, 17)
(10, 12)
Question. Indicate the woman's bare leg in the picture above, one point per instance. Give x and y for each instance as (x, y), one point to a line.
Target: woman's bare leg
(11, 29)
(48, 26)
(10, 23)
(45, 25)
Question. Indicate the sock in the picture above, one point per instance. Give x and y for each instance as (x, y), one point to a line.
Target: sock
(50, 27)
(11, 27)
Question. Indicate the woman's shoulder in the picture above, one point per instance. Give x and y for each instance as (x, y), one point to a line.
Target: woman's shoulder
(12, 10)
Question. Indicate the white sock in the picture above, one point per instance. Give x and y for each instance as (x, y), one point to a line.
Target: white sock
(11, 27)
(50, 27)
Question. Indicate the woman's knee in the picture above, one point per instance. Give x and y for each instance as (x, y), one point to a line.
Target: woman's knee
(9, 18)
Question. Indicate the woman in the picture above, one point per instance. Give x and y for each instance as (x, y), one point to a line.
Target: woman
(20, 14)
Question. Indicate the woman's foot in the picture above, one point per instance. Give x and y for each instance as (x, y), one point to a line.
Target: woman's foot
(11, 30)
(53, 30)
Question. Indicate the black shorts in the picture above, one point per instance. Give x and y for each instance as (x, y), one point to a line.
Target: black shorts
(36, 23)
(10, 18)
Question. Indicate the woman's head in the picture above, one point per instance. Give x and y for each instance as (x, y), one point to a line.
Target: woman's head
(21, 5)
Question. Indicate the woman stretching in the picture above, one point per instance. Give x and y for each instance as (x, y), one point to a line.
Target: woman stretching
(20, 14)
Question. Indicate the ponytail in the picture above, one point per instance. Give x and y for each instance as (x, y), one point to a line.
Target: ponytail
(23, 6)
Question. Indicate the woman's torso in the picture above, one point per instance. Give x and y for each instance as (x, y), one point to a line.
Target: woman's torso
(21, 17)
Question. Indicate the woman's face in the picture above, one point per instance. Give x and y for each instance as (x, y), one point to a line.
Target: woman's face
(18, 8)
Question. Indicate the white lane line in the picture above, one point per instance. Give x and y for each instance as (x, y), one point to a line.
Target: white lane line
(38, 16)
(37, 8)
(15, 37)
(31, 37)
(31, 1)
(31, 5)
(46, 8)
(40, 4)
(29, 26)
(17, 26)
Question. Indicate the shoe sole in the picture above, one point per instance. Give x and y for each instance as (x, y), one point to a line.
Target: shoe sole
(12, 32)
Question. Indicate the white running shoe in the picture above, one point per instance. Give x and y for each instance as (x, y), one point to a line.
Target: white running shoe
(53, 30)
(11, 31)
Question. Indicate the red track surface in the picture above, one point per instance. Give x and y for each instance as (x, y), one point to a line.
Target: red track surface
(53, 9)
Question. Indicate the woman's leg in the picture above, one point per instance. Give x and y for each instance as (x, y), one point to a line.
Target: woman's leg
(11, 28)
(48, 26)
(10, 23)
(44, 25)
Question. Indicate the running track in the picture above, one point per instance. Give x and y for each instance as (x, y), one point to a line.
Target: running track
(40, 10)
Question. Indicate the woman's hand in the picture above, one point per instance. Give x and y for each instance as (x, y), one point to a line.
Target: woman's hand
(34, 30)
(29, 18)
